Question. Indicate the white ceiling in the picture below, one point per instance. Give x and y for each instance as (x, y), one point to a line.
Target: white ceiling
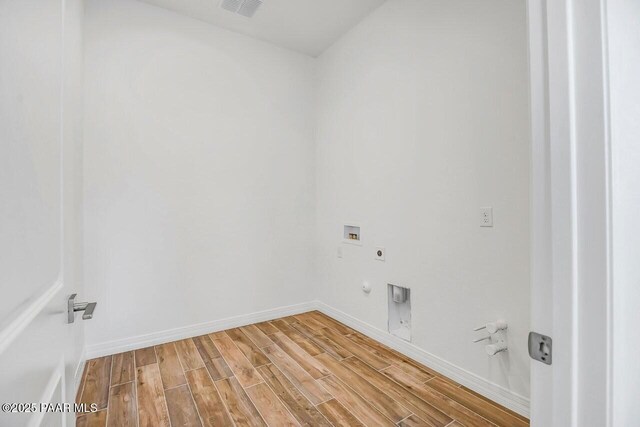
(306, 26)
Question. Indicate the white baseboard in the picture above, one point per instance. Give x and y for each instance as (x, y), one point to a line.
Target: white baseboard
(161, 337)
(497, 393)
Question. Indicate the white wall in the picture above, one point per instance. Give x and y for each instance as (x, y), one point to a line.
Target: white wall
(219, 171)
(422, 119)
(624, 68)
(198, 172)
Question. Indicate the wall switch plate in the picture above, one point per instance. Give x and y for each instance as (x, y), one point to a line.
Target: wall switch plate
(339, 252)
(486, 217)
(380, 253)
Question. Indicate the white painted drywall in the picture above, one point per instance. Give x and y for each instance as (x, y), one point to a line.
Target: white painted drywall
(305, 26)
(422, 119)
(624, 69)
(198, 172)
(219, 171)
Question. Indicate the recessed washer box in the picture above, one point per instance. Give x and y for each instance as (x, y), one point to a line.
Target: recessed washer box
(351, 234)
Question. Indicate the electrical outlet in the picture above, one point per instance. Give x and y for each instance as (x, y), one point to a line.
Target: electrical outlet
(380, 253)
(486, 217)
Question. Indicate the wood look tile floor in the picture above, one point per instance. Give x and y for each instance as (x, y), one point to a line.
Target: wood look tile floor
(306, 370)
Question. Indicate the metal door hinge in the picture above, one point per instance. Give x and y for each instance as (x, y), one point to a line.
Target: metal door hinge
(540, 347)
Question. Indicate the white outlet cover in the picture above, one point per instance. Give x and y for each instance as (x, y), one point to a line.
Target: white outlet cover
(339, 252)
(380, 254)
(486, 216)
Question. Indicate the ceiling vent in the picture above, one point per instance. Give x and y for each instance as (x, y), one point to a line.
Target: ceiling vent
(242, 7)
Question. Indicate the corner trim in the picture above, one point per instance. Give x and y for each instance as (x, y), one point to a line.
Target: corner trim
(495, 392)
(161, 337)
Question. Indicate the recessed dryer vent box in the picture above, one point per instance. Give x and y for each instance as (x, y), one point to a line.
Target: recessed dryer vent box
(399, 311)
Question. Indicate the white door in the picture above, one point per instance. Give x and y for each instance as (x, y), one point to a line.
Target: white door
(39, 129)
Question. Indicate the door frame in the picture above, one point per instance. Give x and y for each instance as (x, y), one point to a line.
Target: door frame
(571, 285)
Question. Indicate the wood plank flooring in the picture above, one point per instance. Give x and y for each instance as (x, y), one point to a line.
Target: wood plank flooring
(302, 370)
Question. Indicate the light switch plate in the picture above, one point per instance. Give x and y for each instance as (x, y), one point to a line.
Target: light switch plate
(486, 217)
(380, 253)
